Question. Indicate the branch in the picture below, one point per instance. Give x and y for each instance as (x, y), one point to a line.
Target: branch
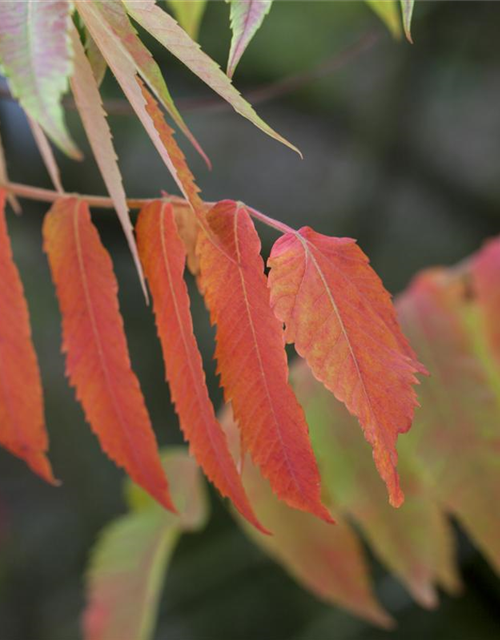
(99, 202)
(258, 95)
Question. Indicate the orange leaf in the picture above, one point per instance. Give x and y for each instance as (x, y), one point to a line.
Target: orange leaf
(252, 360)
(163, 257)
(183, 175)
(486, 277)
(340, 317)
(97, 360)
(22, 425)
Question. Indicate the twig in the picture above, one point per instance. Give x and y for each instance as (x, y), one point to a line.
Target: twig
(48, 195)
(258, 95)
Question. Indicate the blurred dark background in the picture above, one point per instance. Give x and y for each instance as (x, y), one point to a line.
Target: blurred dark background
(402, 151)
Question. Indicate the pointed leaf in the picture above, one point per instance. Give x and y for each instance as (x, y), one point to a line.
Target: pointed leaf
(252, 360)
(123, 38)
(341, 320)
(407, 11)
(163, 256)
(189, 15)
(22, 424)
(166, 30)
(247, 17)
(329, 561)
(137, 94)
(128, 563)
(388, 11)
(486, 282)
(89, 104)
(182, 172)
(35, 54)
(97, 359)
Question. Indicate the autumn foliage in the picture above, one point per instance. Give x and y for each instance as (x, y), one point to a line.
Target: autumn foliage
(277, 448)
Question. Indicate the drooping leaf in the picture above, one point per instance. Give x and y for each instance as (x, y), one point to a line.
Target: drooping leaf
(166, 30)
(122, 38)
(486, 282)
(164, 257)
(89, 104)
(189, 14)
(35, 54)
(247, 17)
(456, 438)
(407, 11)
(329, 561)
(415, 542)
(22, 423)
(97, 359)
(182, 172)
(47, 155)
(129, 561)
(342, 322)
(252, 360)
(388, 11)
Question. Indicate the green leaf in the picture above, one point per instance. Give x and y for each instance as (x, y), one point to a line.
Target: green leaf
(35, 54)
(407, 10)
(166, 30)
(129, 561)
(246, 19)
(389, 13)
(455, 437)
(189, 14)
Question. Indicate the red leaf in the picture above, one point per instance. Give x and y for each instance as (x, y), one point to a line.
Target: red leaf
(252, 360)
(97, 360)
(22, 424)
(486, 278)
(340, 317)
(163, 257)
